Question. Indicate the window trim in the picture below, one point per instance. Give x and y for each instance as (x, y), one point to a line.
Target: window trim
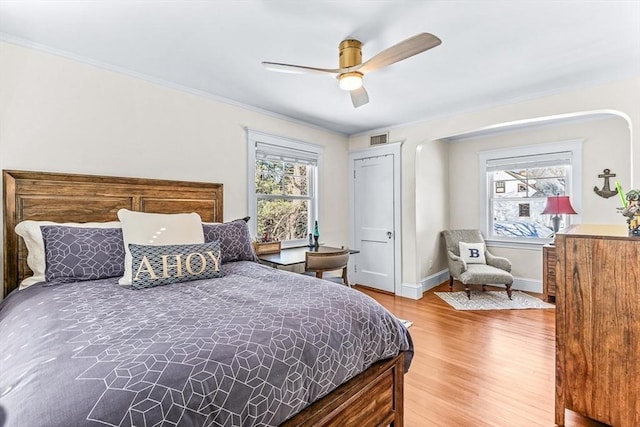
(574, 187)
(253, 138)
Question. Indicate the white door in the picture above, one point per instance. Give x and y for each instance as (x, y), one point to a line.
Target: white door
(373, 222)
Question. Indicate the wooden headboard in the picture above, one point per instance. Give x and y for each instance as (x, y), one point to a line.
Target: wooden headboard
(60, 197)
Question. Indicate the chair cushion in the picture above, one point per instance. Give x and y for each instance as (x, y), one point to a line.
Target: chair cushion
(483, 274)
(326, 276)
(472, 253)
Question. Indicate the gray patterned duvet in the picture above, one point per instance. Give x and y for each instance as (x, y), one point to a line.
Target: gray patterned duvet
(251, 348)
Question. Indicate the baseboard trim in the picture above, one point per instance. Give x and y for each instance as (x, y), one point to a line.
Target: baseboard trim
(527, 285)
(411, 290)
(434, 280)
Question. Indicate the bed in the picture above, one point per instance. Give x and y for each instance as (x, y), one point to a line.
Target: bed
(96, 353)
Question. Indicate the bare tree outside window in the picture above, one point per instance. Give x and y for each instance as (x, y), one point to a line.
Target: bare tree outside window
(284, 199)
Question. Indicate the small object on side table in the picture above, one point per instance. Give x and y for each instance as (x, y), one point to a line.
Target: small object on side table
(316, 235)
(266, 247)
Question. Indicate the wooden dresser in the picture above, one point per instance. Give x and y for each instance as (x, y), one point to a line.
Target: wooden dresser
(549, 273)
(598, 324)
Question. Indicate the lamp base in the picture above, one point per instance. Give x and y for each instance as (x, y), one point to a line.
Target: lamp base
(555, 220)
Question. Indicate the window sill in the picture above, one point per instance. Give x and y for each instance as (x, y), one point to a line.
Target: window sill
(530, 246)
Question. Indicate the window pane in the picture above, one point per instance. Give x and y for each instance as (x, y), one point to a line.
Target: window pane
(535, 182)
(549, 187)
(283, 219)
(521, 218)
(277, 177)
(295, 180)
(268, 177)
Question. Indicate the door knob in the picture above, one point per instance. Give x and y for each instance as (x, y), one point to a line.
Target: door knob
(389, 234)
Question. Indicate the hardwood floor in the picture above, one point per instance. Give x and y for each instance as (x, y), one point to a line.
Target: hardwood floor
(478, 368)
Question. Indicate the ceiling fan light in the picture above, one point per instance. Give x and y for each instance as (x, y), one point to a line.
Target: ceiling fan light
(350, 81)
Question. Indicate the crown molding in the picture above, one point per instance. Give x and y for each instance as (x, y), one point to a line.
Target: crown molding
(7, 38)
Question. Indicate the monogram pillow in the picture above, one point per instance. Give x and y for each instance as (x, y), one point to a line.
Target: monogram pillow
(234, 237)
(75, 254)
(156, 265)
(472, 253)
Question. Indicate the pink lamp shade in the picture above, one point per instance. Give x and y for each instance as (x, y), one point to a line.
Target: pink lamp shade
(558, 205)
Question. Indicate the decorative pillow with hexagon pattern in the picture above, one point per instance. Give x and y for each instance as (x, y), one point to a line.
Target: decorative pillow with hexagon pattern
(234, 237)
(76, 254)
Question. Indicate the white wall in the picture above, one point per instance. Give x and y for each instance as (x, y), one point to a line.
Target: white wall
(424, 177)
(60, 115)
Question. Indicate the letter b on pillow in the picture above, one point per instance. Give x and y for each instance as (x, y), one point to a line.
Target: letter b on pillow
(472, 253)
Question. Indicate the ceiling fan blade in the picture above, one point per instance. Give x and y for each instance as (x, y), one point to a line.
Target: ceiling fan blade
(403, 50)
(299, 69)
(359, 97)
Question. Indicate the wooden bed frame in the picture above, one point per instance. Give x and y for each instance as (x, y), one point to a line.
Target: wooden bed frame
(373, 398)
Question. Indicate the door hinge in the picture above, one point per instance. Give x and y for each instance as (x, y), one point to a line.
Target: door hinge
(354, 174)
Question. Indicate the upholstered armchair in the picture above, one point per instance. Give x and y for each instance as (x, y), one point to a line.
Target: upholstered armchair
(475, 265)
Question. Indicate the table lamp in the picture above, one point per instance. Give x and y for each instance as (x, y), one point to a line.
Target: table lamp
(558, 205)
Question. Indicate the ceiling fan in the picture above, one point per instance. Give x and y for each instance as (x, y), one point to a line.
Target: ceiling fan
(352, 69)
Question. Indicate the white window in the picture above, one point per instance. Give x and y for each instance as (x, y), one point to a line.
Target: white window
(283, 187)
(516, 184)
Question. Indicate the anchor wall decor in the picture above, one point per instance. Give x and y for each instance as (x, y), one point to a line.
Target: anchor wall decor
(606, 190)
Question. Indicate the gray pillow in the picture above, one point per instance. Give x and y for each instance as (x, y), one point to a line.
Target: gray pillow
(74, 254)
(235, 240)
(156, 265)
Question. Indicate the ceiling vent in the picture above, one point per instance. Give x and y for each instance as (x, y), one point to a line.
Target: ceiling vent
(383, 138)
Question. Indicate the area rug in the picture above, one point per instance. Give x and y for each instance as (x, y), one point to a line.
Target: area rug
(407, 323)
(492, 300)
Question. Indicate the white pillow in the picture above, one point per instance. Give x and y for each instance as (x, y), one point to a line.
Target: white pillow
(157, 229)
(32, 235)
(472, 253)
